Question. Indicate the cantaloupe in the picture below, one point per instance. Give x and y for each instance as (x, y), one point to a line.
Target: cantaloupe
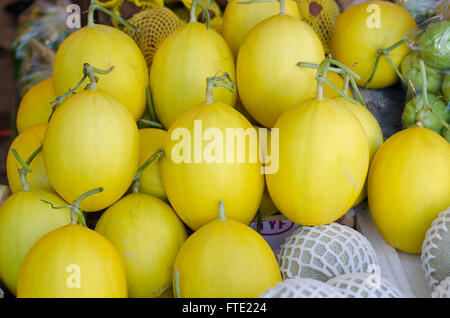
(302, 288)
(436, 250)
(363, 285)
(325, 251)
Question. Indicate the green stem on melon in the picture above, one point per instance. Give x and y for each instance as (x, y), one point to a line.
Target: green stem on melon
(342, 70)
(76, 214)
(176, 290)
(164, 291)
(22, 171)
(137, 177)
(150, 106)
(95, 6)
(193, 16)
(385, 52)
(346, 83)
(357, 92)
(348, 79)
(218, 81)
(282, 6)
(88, 72)
(75, 209)
(151, 123)
(34, 154)
(222, 216)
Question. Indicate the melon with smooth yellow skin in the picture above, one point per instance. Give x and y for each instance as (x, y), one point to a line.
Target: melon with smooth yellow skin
(239, 19)
(72, 262)
(25, 144)
(24, 219)
(147, 233)
(372, 130)
(362, 30)
(268, 78)
(92, 140)
(180, 66)
(408, 186)
(323, 162)
(103, 46)
(151, 139)
(225, 259)
(35, 107)
(196, 179)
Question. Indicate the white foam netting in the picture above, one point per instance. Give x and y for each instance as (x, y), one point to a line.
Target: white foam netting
(433, 245)
(442, 290)
(302, 288)
(365, 285)
(325, 251)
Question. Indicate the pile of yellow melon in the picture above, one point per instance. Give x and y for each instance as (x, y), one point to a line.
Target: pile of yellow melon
(166, 158)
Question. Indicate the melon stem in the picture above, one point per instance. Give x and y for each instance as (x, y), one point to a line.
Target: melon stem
(151, 123)
(137, 177)
(88, 72)
(385, 52)
(282, 6)
(25, 166)
(176, 283)
(75, 207)
(218, 81)
(340, 69)
(222, 216)
(95, 6)
(193, 17)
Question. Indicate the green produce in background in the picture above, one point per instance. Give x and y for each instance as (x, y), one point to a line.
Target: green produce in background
(446, 86)
(410, 69)
(446, 134)
(429, 120)
(419, 9)
(434, 45)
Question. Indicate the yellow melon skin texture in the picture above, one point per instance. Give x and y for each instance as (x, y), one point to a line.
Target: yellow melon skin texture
(226, 259)
(372, 130)
(268, 78)
(180, 66)
(25, 144)
(324, 158)
(24, 218)
(357, 37)
(148, 234)
(194, 188)
(103, 46)
(150, 140)
(239, 19)
(92, 141)
(35, 106)
(408, 185)
(72, 262)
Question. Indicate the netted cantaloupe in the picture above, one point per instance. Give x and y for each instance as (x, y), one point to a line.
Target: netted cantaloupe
(363, 285)
(436, 250)
(155, 25)
(301, 288)
(442, 290)
(325, 251)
